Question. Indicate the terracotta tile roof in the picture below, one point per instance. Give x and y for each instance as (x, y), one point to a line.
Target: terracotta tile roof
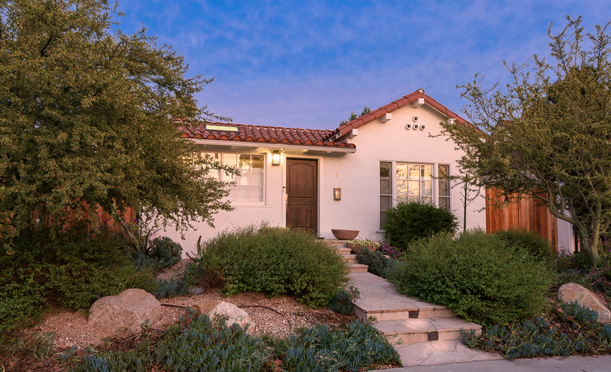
(307, 137)
(403, 101)
(264, 134)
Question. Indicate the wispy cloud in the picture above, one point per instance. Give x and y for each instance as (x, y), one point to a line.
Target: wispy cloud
(310, 64)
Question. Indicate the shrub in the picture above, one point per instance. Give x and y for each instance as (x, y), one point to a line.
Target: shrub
(71, 271)
(389, 250)
(170, 288)
(477, 275)
(163, 253)
(341, 302)
(377, 262)
(291, 261)
(411, 221)
(539, 248)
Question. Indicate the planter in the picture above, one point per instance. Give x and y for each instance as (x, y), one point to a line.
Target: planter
(341, 234)
(356, 247)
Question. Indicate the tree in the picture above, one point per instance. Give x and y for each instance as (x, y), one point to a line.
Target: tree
(547, 133)
(469, 191)
(366, 110)
(85, 119)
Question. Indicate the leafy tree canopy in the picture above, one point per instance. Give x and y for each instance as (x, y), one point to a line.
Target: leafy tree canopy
(85, 117)
(366, 110)
(547, 133)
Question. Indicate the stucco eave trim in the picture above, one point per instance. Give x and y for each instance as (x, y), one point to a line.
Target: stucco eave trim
(234, 144)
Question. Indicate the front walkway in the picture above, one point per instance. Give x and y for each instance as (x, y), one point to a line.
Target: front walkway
(429, 334)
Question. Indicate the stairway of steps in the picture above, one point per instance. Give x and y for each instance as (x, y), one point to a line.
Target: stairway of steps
(402, 318)
(340, 246)
(422, 333)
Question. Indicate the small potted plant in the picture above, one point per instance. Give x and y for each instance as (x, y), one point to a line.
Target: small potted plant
(356, 245)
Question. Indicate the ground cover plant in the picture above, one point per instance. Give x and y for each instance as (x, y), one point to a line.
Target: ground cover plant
(569, 329)
(477, 275)
(408, 222)
(274, 262)
(201, 343)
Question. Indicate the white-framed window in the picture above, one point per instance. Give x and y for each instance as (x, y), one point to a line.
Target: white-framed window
(403, 182)
(443, 196)
(249, 186)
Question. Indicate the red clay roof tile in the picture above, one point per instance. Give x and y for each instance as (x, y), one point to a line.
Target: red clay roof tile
(250, 133)
(316, 137)
(394, 105)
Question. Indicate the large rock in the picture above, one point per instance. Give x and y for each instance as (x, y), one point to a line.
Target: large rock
(123, 314)
(574, 292)
(233, 313)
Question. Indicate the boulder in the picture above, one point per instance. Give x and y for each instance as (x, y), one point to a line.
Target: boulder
(574, 292)
(233, 313)
(123, 314)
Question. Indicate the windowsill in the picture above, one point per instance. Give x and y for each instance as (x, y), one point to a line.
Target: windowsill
(249, 205)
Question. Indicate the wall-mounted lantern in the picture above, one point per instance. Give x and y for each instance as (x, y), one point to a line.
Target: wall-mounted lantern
(275, 157)
(337, 193)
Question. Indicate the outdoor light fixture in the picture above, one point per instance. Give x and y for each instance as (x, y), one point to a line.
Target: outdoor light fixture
(337, 193)
(276, 157)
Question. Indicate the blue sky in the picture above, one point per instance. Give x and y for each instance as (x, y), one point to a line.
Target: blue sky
(309, 64)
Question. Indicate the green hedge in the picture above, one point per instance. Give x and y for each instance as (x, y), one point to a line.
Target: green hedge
(274, 262)
(411, 221)
(539, 248)
(477, 275)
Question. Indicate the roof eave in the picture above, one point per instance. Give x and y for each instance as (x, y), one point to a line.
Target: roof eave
(275, 145)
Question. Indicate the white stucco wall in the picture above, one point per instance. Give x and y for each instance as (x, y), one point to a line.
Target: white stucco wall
(357, 174)
(566, 237)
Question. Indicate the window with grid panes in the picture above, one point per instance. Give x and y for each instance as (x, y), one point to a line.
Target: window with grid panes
(249, 185)
(385, 190)
(412, 182)
(444, 187)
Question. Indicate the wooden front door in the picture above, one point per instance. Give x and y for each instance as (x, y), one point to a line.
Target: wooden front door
(302, 193)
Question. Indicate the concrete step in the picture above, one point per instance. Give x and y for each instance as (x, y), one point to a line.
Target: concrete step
(336, 243)
(350, 258)
(441, 352)
(379, 298)
(401, 311)
(343, 251)
(357, 268)
(411, 331)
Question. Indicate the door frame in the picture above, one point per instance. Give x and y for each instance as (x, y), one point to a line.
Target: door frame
(318, 160)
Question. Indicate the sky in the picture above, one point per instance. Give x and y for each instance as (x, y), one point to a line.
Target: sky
(309, 64)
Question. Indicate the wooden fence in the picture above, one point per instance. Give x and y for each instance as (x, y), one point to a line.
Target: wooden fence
(522, 214)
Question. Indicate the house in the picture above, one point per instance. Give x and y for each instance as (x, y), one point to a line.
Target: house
(336, 179)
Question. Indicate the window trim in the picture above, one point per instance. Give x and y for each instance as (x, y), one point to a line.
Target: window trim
(233, 188)
(393, 182)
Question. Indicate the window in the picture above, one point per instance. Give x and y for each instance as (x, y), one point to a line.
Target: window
(444, 187)
(412, 182)
(249, 185)
(385, 190)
